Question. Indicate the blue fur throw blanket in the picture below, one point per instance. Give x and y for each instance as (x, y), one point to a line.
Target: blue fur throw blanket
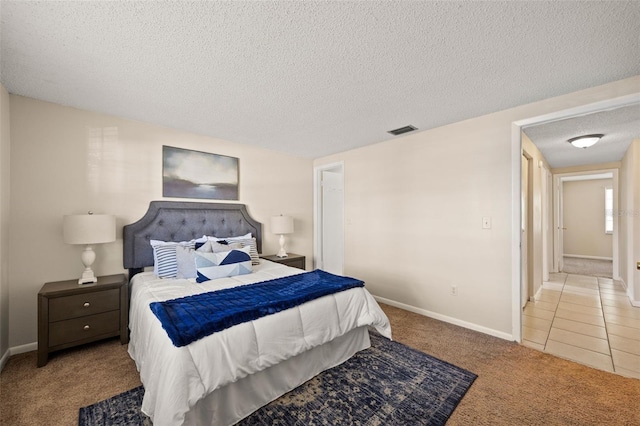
(191, 318)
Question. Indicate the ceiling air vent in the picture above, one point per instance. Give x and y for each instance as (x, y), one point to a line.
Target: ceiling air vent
(401, 130)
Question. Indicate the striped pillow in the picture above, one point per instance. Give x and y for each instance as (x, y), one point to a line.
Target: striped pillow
(165, 263)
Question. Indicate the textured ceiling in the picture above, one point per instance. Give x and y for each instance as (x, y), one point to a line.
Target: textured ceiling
(620, 126)
(311, 78)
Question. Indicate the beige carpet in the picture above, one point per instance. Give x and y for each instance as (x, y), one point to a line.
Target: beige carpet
(515, 386)
(592, 267)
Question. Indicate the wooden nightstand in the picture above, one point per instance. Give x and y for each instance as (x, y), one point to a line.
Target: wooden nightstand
(70, 314)
(295, 260)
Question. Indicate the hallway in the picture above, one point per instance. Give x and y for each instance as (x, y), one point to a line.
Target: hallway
(585, 319)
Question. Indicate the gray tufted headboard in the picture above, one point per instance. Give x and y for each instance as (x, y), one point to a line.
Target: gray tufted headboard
(183, 221)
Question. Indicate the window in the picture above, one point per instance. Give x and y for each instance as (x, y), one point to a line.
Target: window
(608, 210)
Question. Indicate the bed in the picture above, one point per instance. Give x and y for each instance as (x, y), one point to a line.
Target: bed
(223, 377)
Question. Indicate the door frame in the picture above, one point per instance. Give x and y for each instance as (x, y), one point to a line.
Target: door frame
(547, 204)
(526, 256)
(558, 179)
(558, 224)
(516, 153)
(317, 207)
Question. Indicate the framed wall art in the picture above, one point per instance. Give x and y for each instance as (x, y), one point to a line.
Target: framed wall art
(195, 174)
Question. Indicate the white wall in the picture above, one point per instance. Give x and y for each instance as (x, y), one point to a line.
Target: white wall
(5, 143)
(414, 208)
(66, 161)
(584, 217)
(629, 221)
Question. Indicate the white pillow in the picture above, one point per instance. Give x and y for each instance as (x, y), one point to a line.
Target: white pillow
(186, 260)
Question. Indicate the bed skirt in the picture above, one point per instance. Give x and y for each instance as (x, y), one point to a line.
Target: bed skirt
(235, 401)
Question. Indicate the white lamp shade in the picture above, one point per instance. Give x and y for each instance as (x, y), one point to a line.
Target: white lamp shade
(282, 225)
(89, 228)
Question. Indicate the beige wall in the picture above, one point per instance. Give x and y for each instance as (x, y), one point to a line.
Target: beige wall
(65, 161)
(629, 220)
(584, 217)
(586, 168)
(414, 208)
(539, 166)
(413, 204)
(5, 143)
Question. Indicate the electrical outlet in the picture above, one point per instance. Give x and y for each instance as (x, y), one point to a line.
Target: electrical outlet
(454, 290)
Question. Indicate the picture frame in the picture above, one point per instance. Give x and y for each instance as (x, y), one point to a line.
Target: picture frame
(195, 174)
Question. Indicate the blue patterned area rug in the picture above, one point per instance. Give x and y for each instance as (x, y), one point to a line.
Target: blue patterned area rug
(387, 384)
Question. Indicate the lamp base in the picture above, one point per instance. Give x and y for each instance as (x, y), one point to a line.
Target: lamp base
(87, 277)
(281, 253)
(87, 257)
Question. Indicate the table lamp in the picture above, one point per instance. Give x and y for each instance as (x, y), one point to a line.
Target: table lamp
(88, 229)
(282, 225)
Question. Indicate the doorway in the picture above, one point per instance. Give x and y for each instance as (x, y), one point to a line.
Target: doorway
(516, 195)
(586, 239)
(329, 218)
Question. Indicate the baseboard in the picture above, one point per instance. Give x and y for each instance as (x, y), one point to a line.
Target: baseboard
(445, 318)
(634, 303)
(17, 350)
(624, 284)
(538, 293)
(23, 348)
(580, 256)
(4, 359)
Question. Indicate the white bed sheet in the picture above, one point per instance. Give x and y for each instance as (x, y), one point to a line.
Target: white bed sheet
(176, 379)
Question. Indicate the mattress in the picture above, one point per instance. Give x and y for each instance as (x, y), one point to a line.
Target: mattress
(178, 380)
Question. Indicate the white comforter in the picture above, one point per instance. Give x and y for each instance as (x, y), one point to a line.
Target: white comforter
(176, 378)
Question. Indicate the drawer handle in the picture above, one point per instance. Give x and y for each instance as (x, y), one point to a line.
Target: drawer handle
(86, 304)
(86, 327)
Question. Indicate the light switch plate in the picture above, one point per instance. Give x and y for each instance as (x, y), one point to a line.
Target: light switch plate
(486, 222)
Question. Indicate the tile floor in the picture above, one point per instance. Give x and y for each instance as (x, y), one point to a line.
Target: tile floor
(586, 319)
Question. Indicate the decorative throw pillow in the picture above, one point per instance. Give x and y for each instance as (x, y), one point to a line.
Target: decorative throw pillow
(224, 239)
(210, 266)
(164, 256)
(246, 242)
(186, 256)
(253, 247)
(217, 247)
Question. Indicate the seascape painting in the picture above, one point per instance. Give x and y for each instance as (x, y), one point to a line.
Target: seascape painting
(195, 174)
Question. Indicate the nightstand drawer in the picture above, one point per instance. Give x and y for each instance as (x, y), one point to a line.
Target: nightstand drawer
(62, 308)
(72, 330)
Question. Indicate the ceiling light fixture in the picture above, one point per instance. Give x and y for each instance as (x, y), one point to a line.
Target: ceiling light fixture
(585, 141)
